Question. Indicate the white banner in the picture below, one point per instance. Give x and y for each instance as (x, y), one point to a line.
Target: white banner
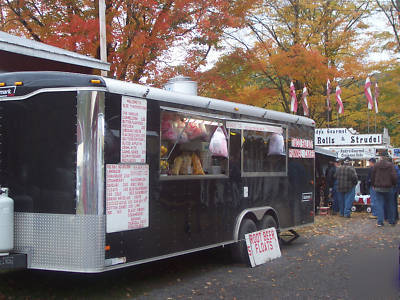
(301, 153)
(133, 130)
(262, 246)
(354, 152)
(127, 197)
(252, 126)
(302, 143)
(342, 136)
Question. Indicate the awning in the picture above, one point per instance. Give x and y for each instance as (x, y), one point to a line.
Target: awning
(326, 152)
(16, 51)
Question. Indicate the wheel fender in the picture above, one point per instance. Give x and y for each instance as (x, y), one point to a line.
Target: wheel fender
(256, 213)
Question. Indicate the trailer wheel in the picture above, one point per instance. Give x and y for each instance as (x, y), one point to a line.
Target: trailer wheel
(353, 208)
(239, 250)
(268, 221)
(369, 209)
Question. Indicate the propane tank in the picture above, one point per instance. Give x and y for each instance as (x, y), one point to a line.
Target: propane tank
(6, 222)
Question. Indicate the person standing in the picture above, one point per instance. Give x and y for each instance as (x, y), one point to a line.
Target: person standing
(396, 194)
(332, 184)
(372, 194)
(384, 180)
(347, 180)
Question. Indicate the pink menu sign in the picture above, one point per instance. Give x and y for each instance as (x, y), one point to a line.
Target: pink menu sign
(133, 130)
(127, 197)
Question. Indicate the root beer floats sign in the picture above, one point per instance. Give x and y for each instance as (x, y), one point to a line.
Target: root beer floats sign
(262, 246)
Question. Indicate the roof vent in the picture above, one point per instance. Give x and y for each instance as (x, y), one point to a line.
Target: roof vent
(182, 84)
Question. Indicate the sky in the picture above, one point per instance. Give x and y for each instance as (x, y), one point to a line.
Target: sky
(377, 22)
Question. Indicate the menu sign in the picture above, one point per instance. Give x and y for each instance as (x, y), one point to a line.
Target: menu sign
(133, 130)
(127, 197)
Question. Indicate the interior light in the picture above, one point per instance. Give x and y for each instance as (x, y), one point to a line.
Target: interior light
(236, 108)
(95, 81)
(18, 83)
(2, 83)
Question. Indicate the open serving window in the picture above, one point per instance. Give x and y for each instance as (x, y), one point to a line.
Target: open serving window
(192, 145)
(263, 149)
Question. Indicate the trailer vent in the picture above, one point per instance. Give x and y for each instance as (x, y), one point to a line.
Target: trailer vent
(182, 84)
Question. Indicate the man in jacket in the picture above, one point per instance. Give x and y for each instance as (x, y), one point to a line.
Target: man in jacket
(383, 180)
(347, 180)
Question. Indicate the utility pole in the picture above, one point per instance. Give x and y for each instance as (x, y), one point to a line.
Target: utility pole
(103, 39)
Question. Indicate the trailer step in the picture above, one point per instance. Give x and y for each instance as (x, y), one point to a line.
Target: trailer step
(288, 236)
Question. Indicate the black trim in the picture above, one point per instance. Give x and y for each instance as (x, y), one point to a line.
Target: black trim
(32, 81)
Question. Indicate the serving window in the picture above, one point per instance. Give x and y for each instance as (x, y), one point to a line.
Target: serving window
(192, 145)
(263, 149)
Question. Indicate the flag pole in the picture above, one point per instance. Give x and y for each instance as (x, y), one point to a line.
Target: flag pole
(103, 41)
(337, 119)
(368, 118)
(375, 122)
(328, 116)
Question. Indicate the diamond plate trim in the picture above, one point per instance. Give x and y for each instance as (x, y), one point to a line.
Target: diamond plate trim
(61, 242)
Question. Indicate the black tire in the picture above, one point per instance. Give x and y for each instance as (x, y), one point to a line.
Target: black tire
(239, 250)
(268, 221)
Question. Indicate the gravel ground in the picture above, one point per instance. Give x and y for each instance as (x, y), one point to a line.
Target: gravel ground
(336, 258)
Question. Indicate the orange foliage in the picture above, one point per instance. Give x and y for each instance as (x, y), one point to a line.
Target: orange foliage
(140, 33)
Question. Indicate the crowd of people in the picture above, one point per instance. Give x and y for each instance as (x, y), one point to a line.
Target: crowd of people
(383, 184)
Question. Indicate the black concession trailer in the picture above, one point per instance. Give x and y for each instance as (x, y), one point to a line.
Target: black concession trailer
(106, 174)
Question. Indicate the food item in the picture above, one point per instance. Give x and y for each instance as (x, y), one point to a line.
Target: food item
(177, 165)
(197, 168)
(186, 167)
(163, 150)
(164, 165)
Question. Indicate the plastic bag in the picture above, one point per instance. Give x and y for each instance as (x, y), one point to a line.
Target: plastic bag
(172, 128)
(195, 130)
(168, 131)
(276, 145)
(218, 145)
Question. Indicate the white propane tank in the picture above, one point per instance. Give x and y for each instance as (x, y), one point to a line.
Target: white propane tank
(6, 222)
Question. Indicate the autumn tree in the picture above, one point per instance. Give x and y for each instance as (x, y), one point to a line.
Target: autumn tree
(141, 33)
(307, 42)
(391, 10)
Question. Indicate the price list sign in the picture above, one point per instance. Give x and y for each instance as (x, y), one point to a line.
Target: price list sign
(133, 130)
(127, 197)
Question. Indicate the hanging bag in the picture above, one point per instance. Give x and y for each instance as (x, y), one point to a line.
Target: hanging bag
(218, 144)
